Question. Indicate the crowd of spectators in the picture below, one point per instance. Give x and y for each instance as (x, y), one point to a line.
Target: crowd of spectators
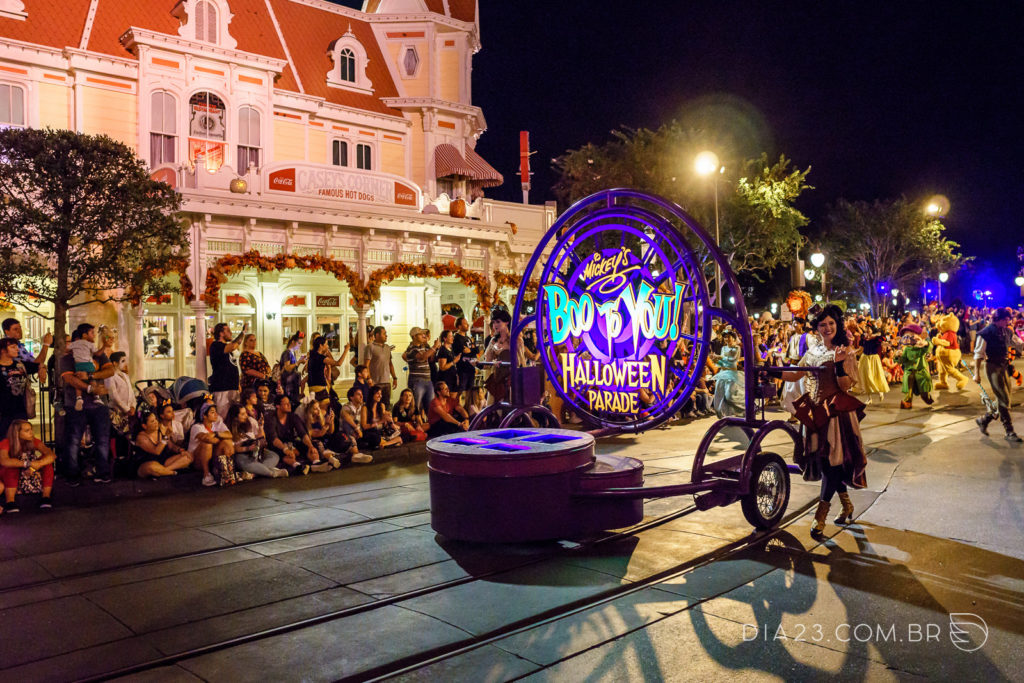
(291, 417)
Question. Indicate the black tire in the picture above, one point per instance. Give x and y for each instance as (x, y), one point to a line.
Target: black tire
(766, 503)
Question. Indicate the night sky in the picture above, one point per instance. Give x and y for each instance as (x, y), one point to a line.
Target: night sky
(879, 98)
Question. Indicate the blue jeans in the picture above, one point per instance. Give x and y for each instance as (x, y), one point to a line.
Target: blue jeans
(422, 393)
(98, 419)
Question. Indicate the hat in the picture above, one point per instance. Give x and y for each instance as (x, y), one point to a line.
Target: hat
(418, 330)
(912, 328)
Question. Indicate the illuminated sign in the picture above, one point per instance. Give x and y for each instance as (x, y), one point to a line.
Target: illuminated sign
(622, 316)
(333, 182)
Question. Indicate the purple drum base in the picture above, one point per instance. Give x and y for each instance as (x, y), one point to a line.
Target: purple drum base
(512, 486)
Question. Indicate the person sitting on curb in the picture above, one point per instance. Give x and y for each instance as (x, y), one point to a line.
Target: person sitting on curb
(158, 455)
(444, 413)
(26, 465)
(211, 441)
(351, 419)
(288, 438)
(408, 418)
(251, 454)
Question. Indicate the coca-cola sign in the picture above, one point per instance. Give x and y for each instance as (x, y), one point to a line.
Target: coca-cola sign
(283, 180)
(327, 182)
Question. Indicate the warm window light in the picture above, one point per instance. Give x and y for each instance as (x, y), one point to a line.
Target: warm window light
(706, 163)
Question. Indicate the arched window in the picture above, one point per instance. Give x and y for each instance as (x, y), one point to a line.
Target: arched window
(206, 131)
(206, 22)
(12, 106)
(364, 157)
(163, 129)
(347, 65)
(339, 152)
(248, 138)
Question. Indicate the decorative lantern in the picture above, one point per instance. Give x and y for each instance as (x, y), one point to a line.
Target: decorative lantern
(457, 208)
(238, 185)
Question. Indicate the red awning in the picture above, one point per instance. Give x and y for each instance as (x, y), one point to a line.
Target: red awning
(483, 172)
(448, 162)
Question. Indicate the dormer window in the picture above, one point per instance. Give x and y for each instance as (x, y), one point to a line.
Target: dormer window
(205, 21)
(349, 60)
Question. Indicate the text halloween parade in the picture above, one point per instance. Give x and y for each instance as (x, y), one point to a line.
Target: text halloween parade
(615, 313)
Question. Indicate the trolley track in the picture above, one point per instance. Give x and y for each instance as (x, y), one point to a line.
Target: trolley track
(470, 643)
(555, 552)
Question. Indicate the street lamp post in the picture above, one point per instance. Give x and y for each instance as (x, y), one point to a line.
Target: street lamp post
(706, 164)
(818, 261)
(943, 276)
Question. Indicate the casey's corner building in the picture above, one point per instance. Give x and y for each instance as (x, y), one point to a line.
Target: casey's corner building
(293, 128)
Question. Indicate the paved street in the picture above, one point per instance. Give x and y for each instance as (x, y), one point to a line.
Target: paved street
(340, 575)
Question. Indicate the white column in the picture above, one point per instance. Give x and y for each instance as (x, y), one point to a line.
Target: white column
(361, 312)
(270, 305)
(199, 308)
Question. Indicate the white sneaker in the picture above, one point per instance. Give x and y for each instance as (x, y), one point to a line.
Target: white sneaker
(321, 467)
(335, 463)
(279, 472)
(362, 458)
(208, 480)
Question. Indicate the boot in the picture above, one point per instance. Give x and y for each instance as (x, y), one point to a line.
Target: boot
(846, 516)
(927, 398)
(982, 423)
(906, 405)
(820, 515)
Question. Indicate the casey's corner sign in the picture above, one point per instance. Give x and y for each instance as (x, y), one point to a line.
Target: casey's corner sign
(318, 181)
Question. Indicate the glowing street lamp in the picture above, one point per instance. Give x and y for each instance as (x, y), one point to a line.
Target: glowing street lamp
(1019, 280)
(706, 164)
(809, 274)
(943, 276)
(818, 261)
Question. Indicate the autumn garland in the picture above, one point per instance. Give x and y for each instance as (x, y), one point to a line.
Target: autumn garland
(229, 265)
(177, 265)
(469, 278)
(513, 281)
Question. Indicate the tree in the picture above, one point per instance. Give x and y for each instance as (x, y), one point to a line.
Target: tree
(81, 221)
(758, 223)
(890, 242)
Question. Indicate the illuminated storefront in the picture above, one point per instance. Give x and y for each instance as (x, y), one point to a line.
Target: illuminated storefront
(292, 128)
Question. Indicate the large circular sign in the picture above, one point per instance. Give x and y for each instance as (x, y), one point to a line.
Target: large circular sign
(622, 309)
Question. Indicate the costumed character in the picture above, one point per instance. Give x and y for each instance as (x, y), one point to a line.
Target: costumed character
(947, 351)
(916, 379)
(729, 384)
(834, 449)
(872, 373)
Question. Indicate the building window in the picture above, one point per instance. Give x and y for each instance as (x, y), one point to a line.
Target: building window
(364, 158)
(339, 152)
(347, 65)
(163, 134)
(12, 106)
(206, 22)
(410, 61)
(248, 138)
(206, 131)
